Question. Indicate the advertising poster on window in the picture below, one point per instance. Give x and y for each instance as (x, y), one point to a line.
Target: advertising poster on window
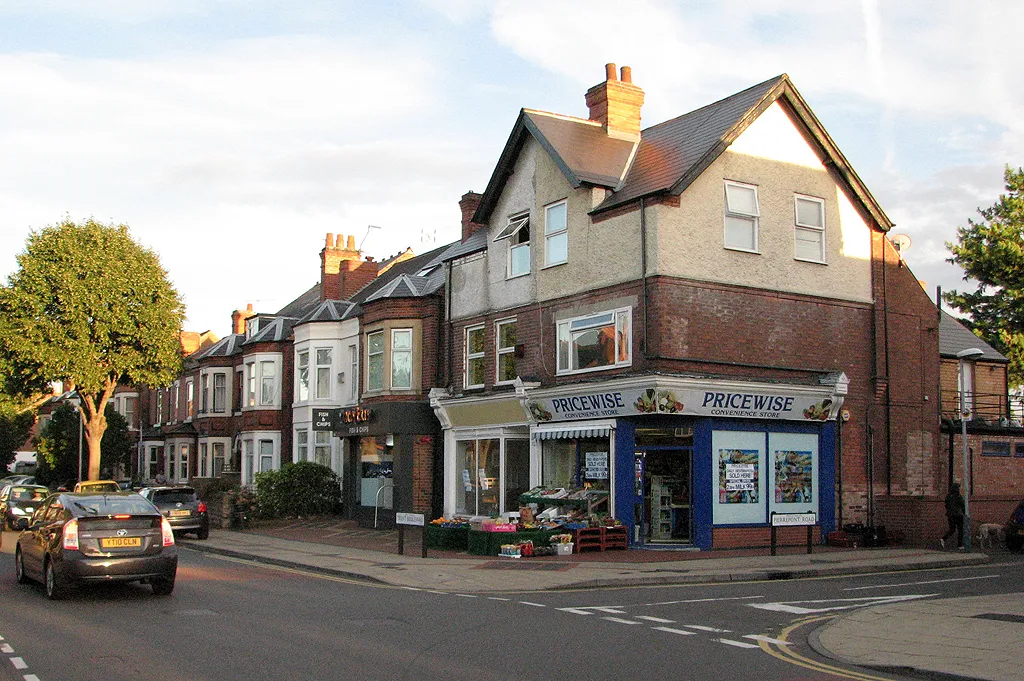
(597, 466)
(794, 472)
(739, 482)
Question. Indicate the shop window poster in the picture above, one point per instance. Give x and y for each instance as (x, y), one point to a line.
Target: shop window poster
(794, 479)
(737, 476)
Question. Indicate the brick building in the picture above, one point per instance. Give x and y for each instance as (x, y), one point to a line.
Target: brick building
(689, 326)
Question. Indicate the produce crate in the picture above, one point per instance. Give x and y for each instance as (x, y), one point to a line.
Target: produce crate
(448, 538)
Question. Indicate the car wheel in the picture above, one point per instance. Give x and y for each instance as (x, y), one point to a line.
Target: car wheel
(19, 567)
(162, 587)
(53, 582)
(204, 532)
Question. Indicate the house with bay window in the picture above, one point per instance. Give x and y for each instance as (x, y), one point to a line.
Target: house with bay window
(692, 326)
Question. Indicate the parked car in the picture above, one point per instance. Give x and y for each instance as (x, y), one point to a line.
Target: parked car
(97, 486)
(182, 507)
(18, 503)
(17, 480)
(80, 538)
(1015, 529)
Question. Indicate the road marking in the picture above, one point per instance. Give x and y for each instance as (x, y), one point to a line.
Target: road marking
(464, 595)
(933, 581)
(681, 632)
(713, 630)
(787, 654)
(767, 639)
(412, 588)
(18, 663)
(654, 619)
(620, 620)
(848, 604)
(536, 605)
(705, 600)
(31, 677)
(614, 611)
(576, 611)
(495, 598)
(737, 644)
(6, 648)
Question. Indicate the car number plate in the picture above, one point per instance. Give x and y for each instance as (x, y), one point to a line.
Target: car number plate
(120, 542)
(177, 513)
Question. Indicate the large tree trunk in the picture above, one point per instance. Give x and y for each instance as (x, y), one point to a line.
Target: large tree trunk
(96, 424)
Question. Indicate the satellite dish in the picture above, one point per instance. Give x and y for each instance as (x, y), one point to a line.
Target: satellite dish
(901, 242)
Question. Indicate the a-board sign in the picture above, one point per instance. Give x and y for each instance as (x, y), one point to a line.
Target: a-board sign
(409, 519)
(793, 519)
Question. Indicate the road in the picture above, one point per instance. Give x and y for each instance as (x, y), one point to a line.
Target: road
(229, 619)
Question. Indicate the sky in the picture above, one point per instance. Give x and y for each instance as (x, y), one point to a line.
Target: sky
(232, 135)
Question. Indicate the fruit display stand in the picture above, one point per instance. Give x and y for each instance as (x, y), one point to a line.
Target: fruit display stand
(592, 501)
(599, 538)
(448, 538)
(483, 543)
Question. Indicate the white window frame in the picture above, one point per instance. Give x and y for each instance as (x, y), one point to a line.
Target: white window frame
(268, 384)
(353, 380)
(204, 392)
(225, 457)
(561, 233)
(513, 231)
(214, 389)
(736, 213)
(302, 375)
(323, 444)
(324, 372)
(585, 323)
(159, 408)
(250, 384)
(190, 399)
(395, 351)
(808, 229)
(471, 357)
(204, 460)
(371, 356)
(257, 381)
(253, 453)
(500, 351)
(301, 444)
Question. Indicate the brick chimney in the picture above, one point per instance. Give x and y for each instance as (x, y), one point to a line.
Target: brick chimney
(238, 318)
(469, 203)
(616, 103)
(342, 269)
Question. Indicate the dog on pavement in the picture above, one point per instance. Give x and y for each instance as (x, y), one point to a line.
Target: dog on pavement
(990, 533)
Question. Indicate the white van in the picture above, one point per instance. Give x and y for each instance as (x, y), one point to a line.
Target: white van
(24, 463)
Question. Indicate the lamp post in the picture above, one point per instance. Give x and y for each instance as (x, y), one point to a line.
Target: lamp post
(963, 357)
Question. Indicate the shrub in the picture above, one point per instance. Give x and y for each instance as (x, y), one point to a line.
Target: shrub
(298, 489)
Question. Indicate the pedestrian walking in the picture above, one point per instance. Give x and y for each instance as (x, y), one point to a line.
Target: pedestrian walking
(954, 516)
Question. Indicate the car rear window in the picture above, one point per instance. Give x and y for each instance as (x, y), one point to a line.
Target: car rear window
(174, 496)
(27, 494)
(131, 504)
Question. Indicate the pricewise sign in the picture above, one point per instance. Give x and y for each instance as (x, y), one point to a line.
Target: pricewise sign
(696, 402)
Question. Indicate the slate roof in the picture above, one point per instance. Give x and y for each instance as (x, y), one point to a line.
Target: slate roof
(954, 337)
(670, 155)
(227, 346)
(330, 311)
(476, 242)
(402, 280)
(302, 305)
(274, 332)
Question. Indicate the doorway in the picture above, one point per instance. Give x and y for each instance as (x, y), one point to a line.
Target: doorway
(667, 496)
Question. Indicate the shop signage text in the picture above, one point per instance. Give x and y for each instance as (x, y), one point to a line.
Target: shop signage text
(356, 415)
(631, 402)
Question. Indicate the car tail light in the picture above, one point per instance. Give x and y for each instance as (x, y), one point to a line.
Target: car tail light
(71, 536)
(202, 507)
(166, 532)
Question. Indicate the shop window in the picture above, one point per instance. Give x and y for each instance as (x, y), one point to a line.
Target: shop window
(478, 463)
(594, 342)
(475, 357)
(376, 460)
(995, 448)
(575, 463)
(505, 351)
(517, 471)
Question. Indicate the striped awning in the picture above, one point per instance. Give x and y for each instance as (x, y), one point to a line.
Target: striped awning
(570, 433)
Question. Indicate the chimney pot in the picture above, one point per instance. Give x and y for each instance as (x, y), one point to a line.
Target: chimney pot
(248, 307)
(609, 72)
(616, 104)
(330, 240)
(627, 74)
(351, 242)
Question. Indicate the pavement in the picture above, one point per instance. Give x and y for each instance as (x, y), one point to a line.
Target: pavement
(955, 638)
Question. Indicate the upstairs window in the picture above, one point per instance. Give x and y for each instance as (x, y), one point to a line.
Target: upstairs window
(190, 395)
(401, 359)
(475, 357)
(810, 228)
(741, 215)
(302, 377)
(323, 373)
(556, 234)
(204, 393)
(268, 383)
(353, 379)
(250, 383)
(517, 231)
(505, 350)
(594, 342)
(375, 360)
(220, 393)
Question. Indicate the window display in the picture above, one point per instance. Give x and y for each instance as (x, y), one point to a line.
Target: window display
(376, 469)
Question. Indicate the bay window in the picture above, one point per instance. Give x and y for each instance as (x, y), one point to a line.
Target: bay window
(375, 360)
(302, 376)
(401, 359)
(323, 373)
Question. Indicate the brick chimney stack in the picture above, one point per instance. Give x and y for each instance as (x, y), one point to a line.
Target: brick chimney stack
(469, 203)
(238, 318)
(616, 103)
(342, 269)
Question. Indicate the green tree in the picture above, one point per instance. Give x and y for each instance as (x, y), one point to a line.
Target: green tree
(90, 307)
(15, 427)
(57, 448)
(118, 445)
(991, 252)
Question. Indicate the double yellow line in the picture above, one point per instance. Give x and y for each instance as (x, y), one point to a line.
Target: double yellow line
(786, 654)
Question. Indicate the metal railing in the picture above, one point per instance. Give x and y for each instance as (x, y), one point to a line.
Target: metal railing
(993, 408)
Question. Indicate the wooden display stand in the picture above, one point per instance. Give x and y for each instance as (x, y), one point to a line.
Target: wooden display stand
(600, 538)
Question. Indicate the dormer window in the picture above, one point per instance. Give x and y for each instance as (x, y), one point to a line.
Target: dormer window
(517, 231)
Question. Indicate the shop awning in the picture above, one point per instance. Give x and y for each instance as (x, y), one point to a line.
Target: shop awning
(568, 433)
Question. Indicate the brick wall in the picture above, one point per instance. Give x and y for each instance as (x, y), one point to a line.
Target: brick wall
(423, 473)
(748, 537)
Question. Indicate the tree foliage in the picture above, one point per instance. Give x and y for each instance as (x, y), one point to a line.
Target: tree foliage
(57, 448)
(991, 252)
(15, 427)
(298, 489)
(90, 307)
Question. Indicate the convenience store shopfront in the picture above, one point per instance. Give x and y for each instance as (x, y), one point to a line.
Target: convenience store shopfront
(679, 461)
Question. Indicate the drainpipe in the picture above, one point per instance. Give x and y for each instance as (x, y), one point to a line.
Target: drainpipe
(643, 269)
(839, 464)
(888, 375)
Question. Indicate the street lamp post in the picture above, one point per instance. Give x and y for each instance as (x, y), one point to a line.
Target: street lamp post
(965, 410)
